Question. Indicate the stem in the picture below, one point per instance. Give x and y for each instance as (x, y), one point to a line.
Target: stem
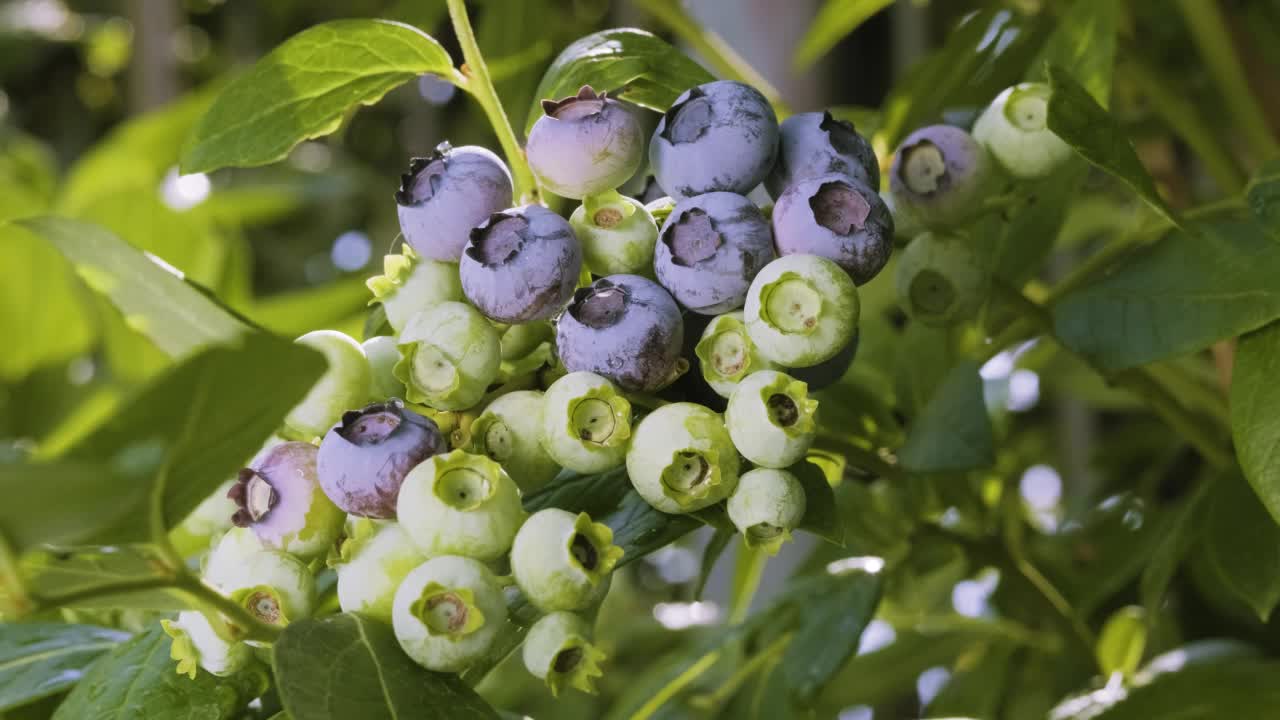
(714, 699)
(1209, 32)
(723, 58)
(212, 597)
(13, 594)
(858, 457)
(1184, 118)
(480, 85)
(747, 573)
(676, 686)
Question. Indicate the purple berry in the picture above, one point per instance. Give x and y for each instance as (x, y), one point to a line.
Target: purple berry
(721, 136)
(625, 328)
(812, 144)
(939, 174)
(363, 459)
(521, 265)
(279, 497)
(710, 248)
(839, 218)
(446, 194)
(585, 144)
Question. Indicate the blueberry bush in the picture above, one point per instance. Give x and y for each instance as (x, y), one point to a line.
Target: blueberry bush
(969, 398)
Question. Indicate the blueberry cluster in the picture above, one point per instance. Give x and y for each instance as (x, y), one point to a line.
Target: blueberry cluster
(523, 345)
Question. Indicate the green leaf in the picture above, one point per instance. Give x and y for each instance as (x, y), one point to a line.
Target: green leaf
(1077, 118)
(1181, 294)
(50, 575)
(1180, 531)
(1235, 688)
(1243, 541)
(138, 681)
(28, 174)
(977, 686)
(1263, 194)
(154, 300)
(831, 625)
(347, 666)
(1122, 641)
(181, 436)
(836, 19)
(820, 514)
(38, 660)
(1255, 423)
(714, 548)
(305, 87)
(301, 311)
(953, 432)
(1084, 43)
(630, 64)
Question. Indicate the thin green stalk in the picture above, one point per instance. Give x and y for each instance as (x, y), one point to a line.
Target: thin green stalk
(1184, 118)
(714, 699)
(856, 456)
(747, 573)
(1209, 32)
(480, 85)
(151, 582)
(723, 58)
(212, 597)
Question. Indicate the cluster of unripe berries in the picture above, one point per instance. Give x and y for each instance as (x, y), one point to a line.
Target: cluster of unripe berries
(405, 465)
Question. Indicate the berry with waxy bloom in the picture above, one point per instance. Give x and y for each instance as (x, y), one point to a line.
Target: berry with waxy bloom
(585, 144)
(446, 194)
(815, 143)
(521, 265)
(710, 248)
(586, 423)
(940, 175)
(771, 419)
(448, 612)
(561, 560)
(840, 219)
(682, 458)
(279, 497)
(558, 650)
(766, 507)
(460, 504)
(801, 310)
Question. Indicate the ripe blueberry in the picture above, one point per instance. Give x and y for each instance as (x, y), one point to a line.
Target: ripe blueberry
(838, 218)
(280, 498)
(940, 174)
(521, 265)
(812, 144)
(710, 248)
(585, 144)
(446, 194)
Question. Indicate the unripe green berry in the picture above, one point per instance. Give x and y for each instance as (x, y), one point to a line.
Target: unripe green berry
(766, 507)
(726, 353)
(560, 560)
(197, 645)
(940, 279)
(343, 386)
(383, 354)
(510, 432)
(586, 423)
(460, 504)
(411, 283)
(801, 310)
(449, 355)
(274, 587)
(1015, 129)
(558, 650)
(771, 419)
(448, 612)
(279, 496)
(617, 234)
(682, 459)
(373, 560)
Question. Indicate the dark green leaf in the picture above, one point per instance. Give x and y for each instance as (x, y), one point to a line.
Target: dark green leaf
(1182, 294)
(139, 681)
(820, 515)
(977, 686)
(1122, 641)
(50, 575)
(953, 432)
(347, 666)
(304, 88)
(189, 430)
(42, 659)
(836, 20)
(631, 64)
(830, 627)
(1243, 541)
(1264, 196)
(1077, 118)
(154, 300)
(1206, 691)
(1255, 422)
(1084, 43)
(1180, 531)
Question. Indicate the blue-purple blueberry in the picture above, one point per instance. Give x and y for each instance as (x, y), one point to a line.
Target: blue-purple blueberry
(279, 497)
(446, 194)
(815, 143)
(625, 328)
(717, 137)
(585, 144)
(521, 265)
(940, 174)
(363, 460)
(710, 248)
(839, 218)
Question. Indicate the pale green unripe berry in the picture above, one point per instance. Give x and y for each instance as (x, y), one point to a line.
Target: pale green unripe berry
(558, 650)
(941, 280)
(771, 419)
(197, 644)
(801, 310)
(586, 423)
(411, 283)
(905, 223)
(383, 354)
(561, 560)
(1015, 130)
(460, 504)
(449, 355)
(211, 517)
(274, 587)
(229, 553)
(766, 507)
(448, 612)
(343, 386)
(617, 234)
(510, 432)
(726, 353)
(373, 560)
(682, 459)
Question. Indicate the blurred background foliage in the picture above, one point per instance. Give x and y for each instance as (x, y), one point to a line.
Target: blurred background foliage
(96, 99)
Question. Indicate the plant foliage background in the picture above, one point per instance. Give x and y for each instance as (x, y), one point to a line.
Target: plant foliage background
(1066, 507)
